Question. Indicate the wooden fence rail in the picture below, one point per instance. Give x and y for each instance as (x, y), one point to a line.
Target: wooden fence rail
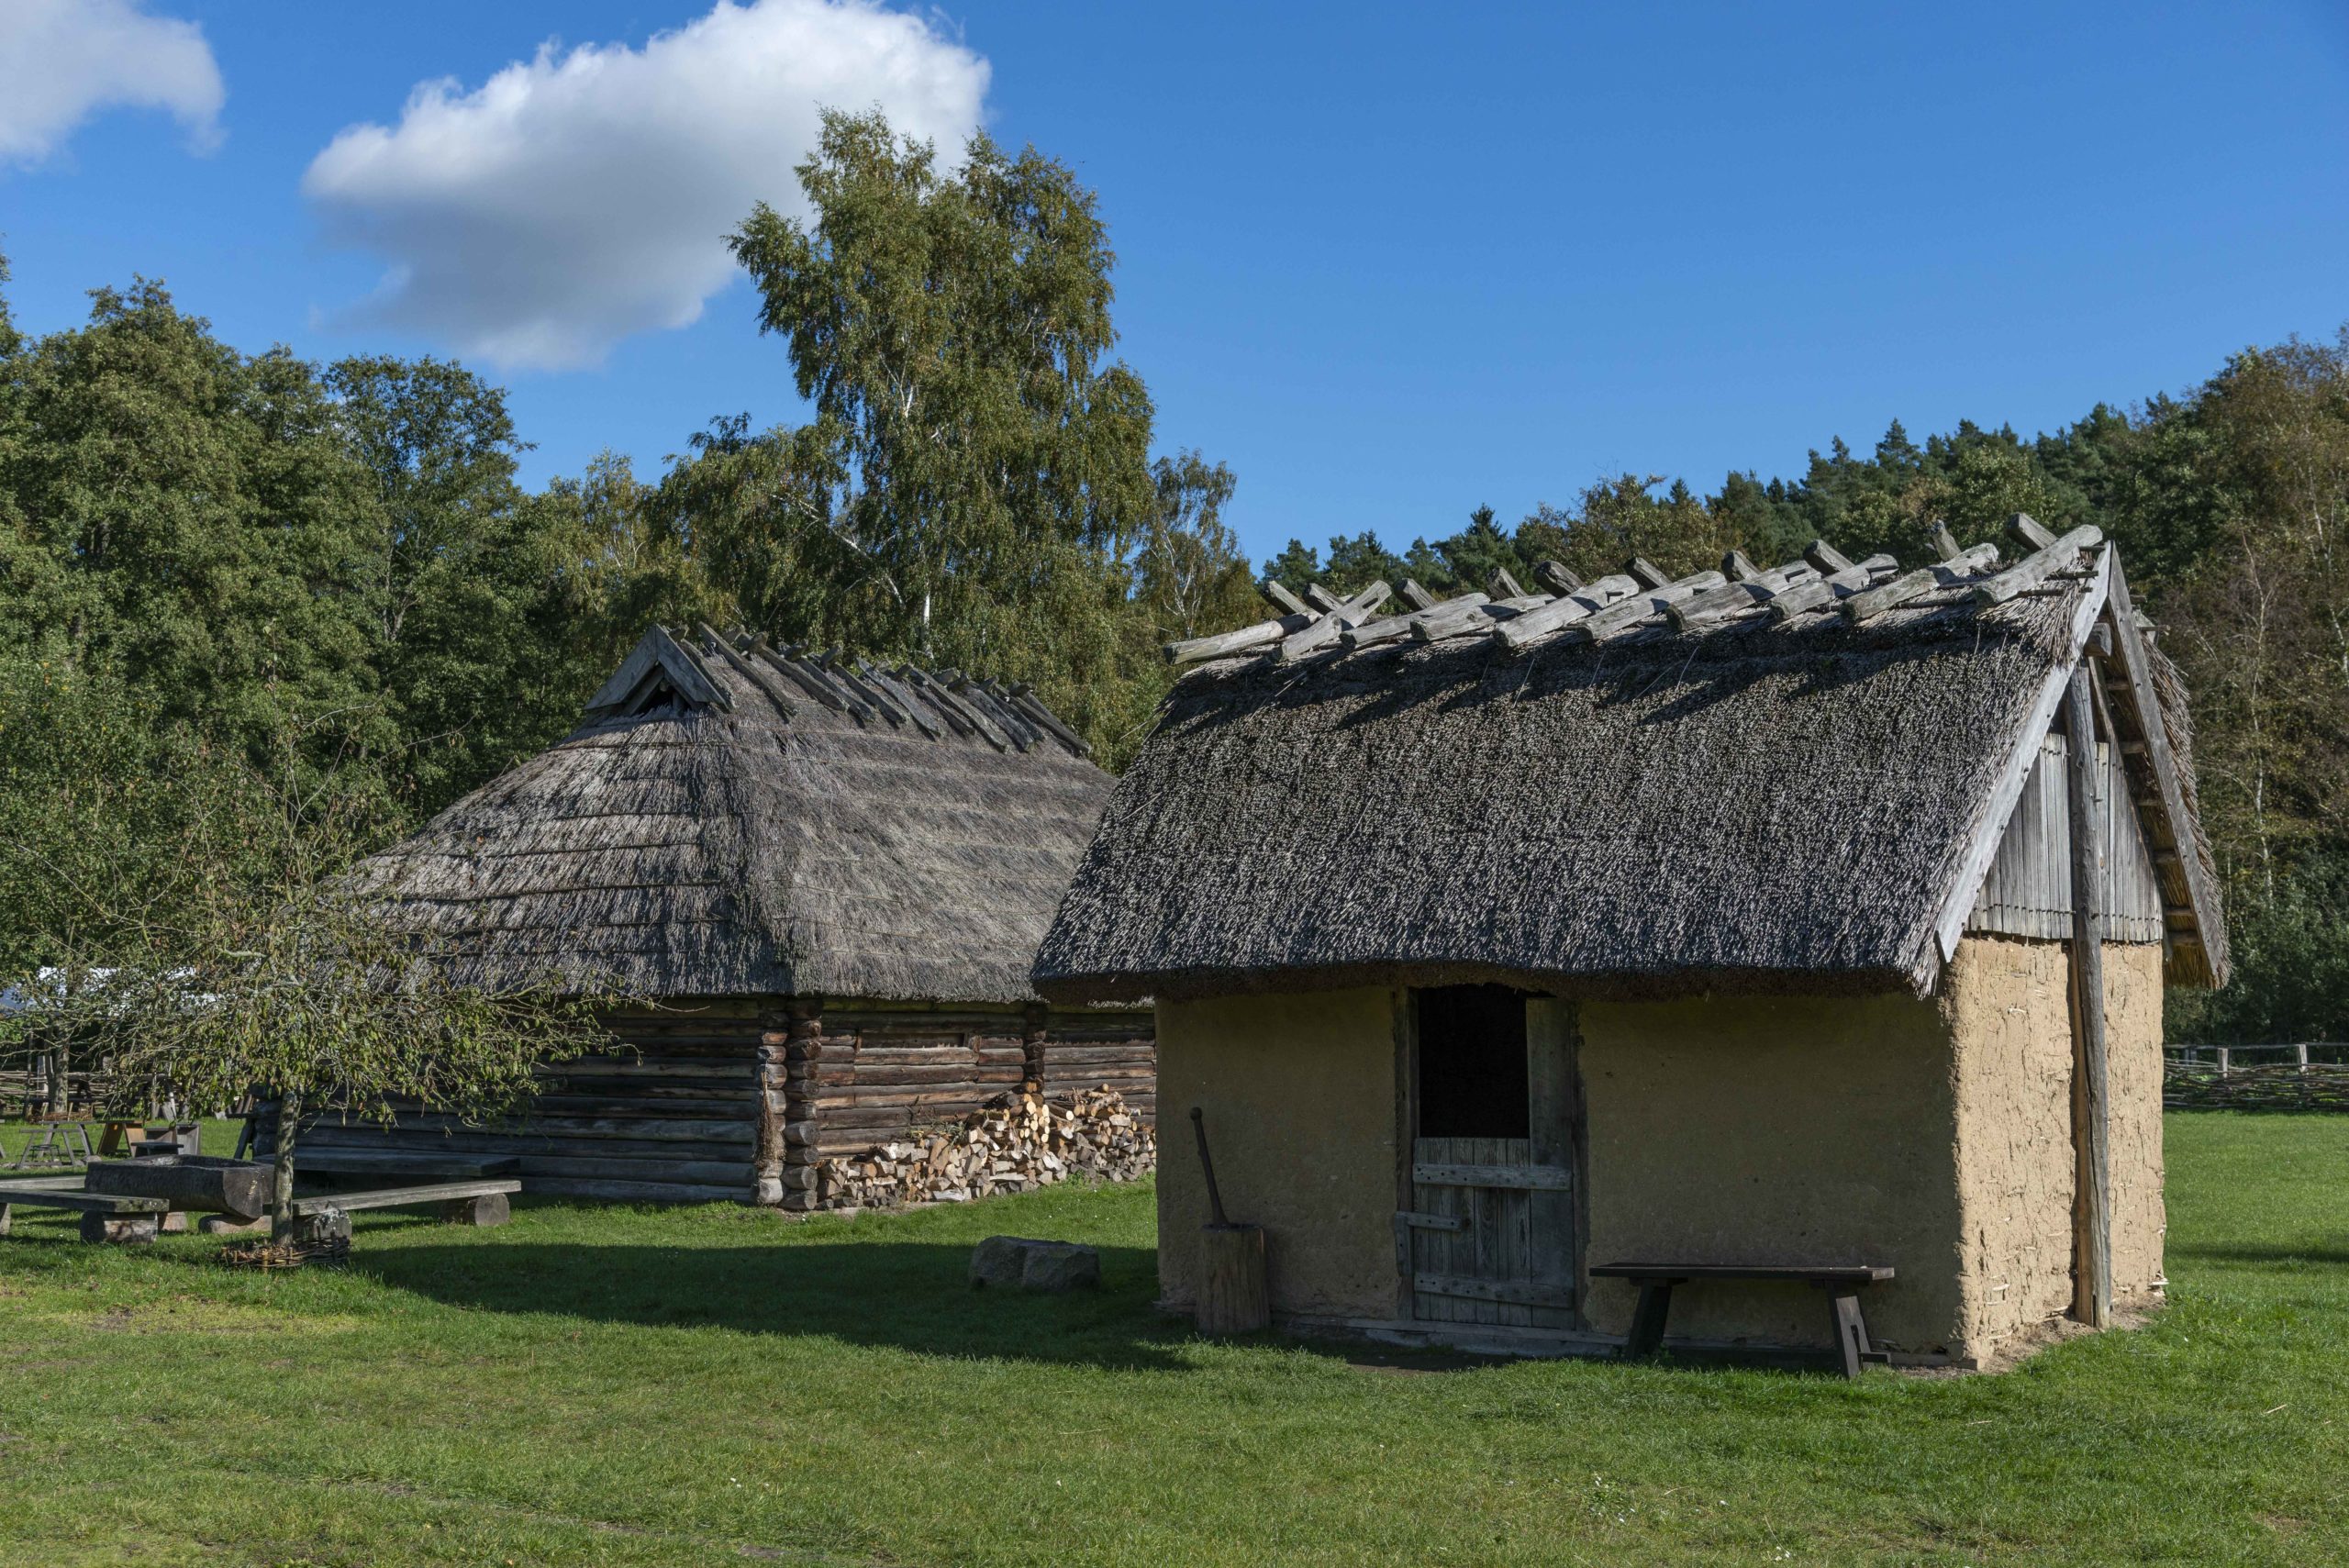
(2302, 1075)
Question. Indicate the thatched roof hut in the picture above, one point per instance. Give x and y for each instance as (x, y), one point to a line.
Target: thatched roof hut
(737, 821)
(749, 840)
(1828, 798)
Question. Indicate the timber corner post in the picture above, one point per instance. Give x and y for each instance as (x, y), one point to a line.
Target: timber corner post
(2091, 1088)
(802, 1053)
(1034, 1031)
(772, 1110)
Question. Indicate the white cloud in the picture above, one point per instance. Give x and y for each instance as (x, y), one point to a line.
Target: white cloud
(62, 61)
(585, 195)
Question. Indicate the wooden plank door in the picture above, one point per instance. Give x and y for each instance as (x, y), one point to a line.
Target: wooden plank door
(1494, 1231)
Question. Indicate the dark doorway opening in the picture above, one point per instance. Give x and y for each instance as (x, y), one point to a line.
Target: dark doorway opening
(1472, 1063)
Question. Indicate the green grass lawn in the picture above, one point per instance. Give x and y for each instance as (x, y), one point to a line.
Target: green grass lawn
(638, 1385)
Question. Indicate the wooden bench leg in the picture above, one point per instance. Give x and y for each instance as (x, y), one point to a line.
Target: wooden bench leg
(121, 1230)
(326, 1227)
(1647, 1318)
(490, 1209)
(4, 1220)
(1851, 1330)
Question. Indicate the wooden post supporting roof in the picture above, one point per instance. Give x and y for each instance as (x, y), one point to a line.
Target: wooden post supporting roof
(2091, 1090)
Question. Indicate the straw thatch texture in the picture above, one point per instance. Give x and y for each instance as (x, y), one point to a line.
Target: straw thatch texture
(1751, 805)
(724, 832)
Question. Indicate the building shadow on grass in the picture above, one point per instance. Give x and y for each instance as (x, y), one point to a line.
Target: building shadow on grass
(909, 1296)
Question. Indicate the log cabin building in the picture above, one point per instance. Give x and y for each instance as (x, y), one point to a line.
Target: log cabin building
(821, 882)
(1740, 921)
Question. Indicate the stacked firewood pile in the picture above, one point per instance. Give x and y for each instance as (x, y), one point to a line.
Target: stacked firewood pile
(1012, 1143)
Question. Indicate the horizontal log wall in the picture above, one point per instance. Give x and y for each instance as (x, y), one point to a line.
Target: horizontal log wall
(1104, 1050)
(739, 1098)
(666, 1116)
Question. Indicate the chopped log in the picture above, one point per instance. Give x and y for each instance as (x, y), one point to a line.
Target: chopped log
(1618, 618)
(1354, 612)
(1224, 644)
(1730, 598)
(2036, 568)
(1392, 627)
(1288, 604)
(1319, 599)
(1646, 573)
(1556, 578)
(1429, 628)
(1944, 543)
(1419, 598)
(1737, 568)
(1503, 586)
(1827, 558)
(1815, 592)
(1872, 602)
(1233, 1298)
(2030, 530)
(1540, 620)
(1387, 628)
(1024, 697)
(1013, 1142)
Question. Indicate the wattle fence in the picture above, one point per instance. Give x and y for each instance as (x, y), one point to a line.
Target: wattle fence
(2308, 1075)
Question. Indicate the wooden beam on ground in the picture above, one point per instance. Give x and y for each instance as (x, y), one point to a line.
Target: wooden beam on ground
(2036, 568)
(2092, 1089)
(1869, 603)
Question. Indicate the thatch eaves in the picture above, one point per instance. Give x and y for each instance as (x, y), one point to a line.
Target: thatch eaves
(1792, 779)
(736, 819)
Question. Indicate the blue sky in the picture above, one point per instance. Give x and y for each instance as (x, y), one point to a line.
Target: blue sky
(1387, 262)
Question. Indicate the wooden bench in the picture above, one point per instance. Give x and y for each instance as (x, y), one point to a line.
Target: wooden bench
(466, 1203)
(1841, 1282)
(105, 1218)
(402, 1163)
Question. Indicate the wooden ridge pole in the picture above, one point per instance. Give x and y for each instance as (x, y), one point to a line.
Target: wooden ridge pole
(2091, 1099)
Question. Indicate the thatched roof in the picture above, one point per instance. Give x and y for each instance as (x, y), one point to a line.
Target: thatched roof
(1784, 780)
(735, 819)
